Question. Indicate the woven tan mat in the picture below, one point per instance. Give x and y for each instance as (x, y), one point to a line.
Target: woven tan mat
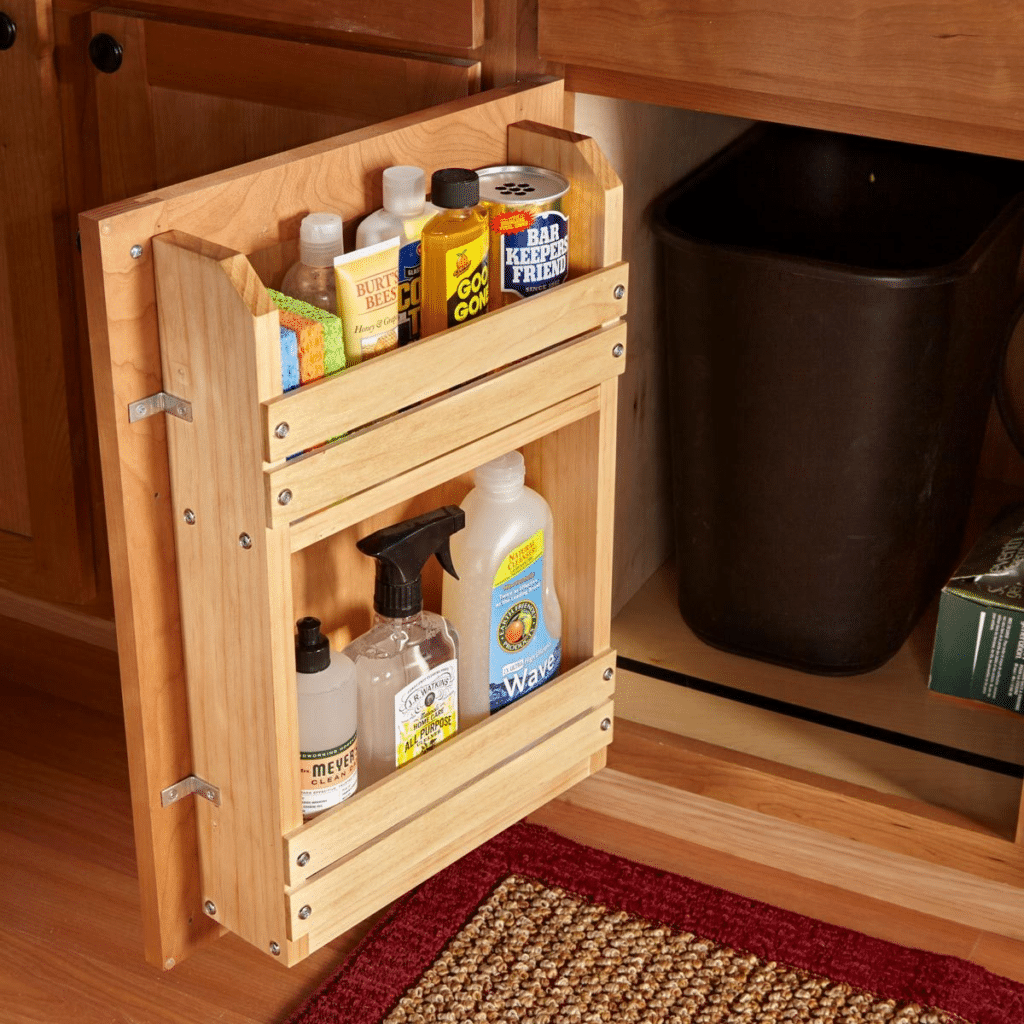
(537, 953)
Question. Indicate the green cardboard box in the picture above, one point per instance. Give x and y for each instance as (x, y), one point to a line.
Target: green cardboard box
(979, 639)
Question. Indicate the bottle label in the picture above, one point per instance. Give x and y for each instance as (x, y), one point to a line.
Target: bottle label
(328, 777)
(410, 259)
(534, 250)
(466, 280)
(426, 712)
(523, 654)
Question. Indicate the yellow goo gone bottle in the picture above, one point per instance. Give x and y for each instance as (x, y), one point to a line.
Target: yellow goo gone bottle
(455, 252)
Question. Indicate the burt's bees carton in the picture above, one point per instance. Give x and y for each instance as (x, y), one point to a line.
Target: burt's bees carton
(979, 639)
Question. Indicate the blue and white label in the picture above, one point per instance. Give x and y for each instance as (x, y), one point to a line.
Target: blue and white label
(523, 655)
(409, 262)
(536, 257)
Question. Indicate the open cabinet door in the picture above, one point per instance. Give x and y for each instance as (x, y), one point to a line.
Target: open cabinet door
(541, 374)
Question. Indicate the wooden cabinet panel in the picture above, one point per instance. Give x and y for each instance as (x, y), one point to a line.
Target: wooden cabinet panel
(126, 356)
(189, 101)
(448, 23)
(948, 73)
(45, 540)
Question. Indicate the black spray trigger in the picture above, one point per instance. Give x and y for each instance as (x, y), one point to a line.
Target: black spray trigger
(444, 555)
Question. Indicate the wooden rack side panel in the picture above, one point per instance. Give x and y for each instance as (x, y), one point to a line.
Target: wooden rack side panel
(219, 333)
(246, 208)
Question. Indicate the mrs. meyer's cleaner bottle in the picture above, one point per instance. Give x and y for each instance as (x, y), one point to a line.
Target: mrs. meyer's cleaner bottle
(456, 244)
(327, 720)
(503, 605)
(407, 673)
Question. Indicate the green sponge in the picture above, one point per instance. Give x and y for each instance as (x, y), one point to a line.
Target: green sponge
(334, 343)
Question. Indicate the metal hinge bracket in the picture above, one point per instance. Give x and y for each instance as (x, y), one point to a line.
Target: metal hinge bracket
(188, 786)
(160, 402)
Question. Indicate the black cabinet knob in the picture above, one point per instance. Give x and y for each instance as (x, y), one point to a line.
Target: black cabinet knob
(105, 52)
(8, 31)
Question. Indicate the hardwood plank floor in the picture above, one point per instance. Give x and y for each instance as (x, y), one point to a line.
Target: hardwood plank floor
(69, 903)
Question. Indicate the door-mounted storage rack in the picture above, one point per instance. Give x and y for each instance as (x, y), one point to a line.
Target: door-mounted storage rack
(254, 539)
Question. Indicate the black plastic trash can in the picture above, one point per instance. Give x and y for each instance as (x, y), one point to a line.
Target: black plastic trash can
(834, 309)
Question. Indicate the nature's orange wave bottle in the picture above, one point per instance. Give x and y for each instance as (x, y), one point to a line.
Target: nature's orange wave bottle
(455, 252)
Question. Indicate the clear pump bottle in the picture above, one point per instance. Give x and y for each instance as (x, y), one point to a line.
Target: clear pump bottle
(407, 663)
(403, 215)
(327, 720)
(503, 605)
(312, 277)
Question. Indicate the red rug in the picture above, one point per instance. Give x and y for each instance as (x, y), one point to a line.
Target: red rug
(532, 927)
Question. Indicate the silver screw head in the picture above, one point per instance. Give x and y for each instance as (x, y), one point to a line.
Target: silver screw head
(606, 724)
(302, 860)
(284, 497)
(275, 949)
(281, 430)
(620, 290)
(608, 673)
(136, 252)
(305, 912)
(140, 410)
(618, 350)
(189, 516)
(245, 541)
(210, 907)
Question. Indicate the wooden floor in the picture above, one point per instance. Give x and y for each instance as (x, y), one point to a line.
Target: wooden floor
(69, 907)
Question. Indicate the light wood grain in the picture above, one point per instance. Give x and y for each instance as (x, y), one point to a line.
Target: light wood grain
(434, 776)
(943, 74)
(593, 204)
(764, 839)
(126, 359)
(341, 895)
(434, 365)
(218, 331)
(405, 486)
(346, 467)
(896, 823)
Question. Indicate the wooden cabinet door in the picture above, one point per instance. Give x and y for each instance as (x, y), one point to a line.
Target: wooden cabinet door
(184, 101)
(46, 547)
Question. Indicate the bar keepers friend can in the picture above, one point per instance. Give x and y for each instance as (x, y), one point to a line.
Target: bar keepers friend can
(529, 233)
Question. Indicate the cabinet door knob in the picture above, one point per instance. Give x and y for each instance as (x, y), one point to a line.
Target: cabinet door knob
(106, 53)
(8, 31)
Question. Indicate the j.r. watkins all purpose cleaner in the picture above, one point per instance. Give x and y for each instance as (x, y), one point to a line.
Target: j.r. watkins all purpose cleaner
(503, 605)
(407, 665)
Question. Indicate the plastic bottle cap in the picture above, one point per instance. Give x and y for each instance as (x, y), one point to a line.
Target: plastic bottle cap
(455, 188)
(312, 650)
(320, 239)
(404, 190)
(503, 475)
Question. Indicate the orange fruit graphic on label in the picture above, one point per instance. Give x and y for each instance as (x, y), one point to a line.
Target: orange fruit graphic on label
(514, 631)
(461, 263)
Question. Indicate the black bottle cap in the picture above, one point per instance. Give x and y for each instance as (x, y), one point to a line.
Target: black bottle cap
(455, 188)
(401, 552)
(312, 651)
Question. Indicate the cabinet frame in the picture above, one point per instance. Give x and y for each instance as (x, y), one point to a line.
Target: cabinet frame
(241, 224)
